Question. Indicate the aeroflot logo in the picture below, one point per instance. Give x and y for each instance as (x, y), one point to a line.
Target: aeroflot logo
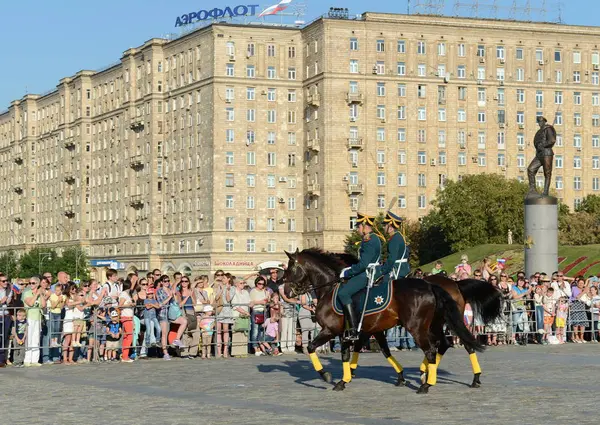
(216, 13)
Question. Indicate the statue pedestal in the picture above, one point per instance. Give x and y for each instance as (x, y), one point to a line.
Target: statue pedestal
(541, 235)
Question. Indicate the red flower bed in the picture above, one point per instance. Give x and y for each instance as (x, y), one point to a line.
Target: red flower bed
(561, 259)
(586, 268)
(571, 266)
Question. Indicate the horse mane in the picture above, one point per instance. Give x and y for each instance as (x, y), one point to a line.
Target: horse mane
(325, 258)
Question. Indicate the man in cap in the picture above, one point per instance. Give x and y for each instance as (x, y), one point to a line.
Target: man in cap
(544, 140)
(369, 252)
(398, 252)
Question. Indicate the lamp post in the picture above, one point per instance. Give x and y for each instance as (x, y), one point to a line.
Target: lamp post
(41, 257)
(77, 258)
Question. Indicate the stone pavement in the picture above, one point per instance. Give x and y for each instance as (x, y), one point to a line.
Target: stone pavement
(521, 385)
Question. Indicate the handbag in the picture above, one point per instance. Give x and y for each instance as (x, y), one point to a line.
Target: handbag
(174, 312)
(219, 303)
(242, 324)
(259, 318)
(192, 322)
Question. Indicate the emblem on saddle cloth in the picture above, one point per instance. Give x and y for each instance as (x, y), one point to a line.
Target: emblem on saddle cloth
(380, 297)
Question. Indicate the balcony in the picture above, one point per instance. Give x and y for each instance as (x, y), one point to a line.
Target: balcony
(314, 99)
(314, 189)
(69, 179)
(18, 159)
(354, 97)
(18, 190)
(136, 162)
(137, 125)
(136, 201)
(69, 144)
(69, 211)
(355, 143)
(354, 188)
(313, 144)
(17, 219)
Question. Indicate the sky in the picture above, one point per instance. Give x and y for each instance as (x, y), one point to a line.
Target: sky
(44, 41)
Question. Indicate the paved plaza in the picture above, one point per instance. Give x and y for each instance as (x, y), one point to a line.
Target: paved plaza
(521, 385)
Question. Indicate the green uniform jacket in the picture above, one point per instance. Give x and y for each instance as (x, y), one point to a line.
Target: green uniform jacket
(396, 250)
(369, 252)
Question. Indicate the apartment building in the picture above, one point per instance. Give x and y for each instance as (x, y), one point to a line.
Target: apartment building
(226, 146)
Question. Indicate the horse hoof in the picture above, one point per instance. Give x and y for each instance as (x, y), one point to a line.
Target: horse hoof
(423, 389)
(353, 373)
(340, 386)
(423, 378)
(326, 376)
(475, 385)
(401, 382)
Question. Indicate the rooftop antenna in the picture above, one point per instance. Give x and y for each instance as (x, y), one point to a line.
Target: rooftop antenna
(512, 14)
(408, 7)
(527, 9)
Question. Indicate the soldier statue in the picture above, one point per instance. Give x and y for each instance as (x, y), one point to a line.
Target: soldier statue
(544, 140)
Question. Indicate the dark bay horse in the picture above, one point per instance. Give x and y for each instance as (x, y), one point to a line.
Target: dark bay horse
(484, 297)
(422, 308)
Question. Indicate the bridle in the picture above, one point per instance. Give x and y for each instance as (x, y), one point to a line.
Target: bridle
(311, 286)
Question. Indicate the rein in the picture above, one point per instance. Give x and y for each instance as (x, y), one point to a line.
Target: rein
(311, 286)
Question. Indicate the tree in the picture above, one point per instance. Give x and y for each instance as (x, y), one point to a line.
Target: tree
(591, 205)
(74, 261)
(580, 228)
(479, 209)
(38, 261)
(9, 264)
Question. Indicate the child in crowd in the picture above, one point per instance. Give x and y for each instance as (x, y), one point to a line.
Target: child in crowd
(151, 306)
(595, 311)
(207, 327)
(113, 336)
(98, 335)
(562, 311)
(57, 302)
(269, 345)
(19, 338)
(549, 304)
(78, 319)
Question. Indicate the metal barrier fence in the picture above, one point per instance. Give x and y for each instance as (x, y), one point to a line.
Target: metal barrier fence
(51, 337)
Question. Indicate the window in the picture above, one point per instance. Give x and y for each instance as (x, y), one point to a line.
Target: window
(291, 203)
(595, 184)
(401, 201)
(519, 53)
(271, 72)
(539, 99)
(229, 70)
(229, 158)
(481, 140)
(229, 181)
(353, 66)
(291, 160)
(577, 119)
(250, 71)
(229, 201)
(381, 134)
(558, 118)
(520, 74)
(422, 202)
(270, 180)
(441, 138)
(441, 49)
(540, 76)
(421, 158)
(559, 182)
(442, 157)
(557, 56)
(461, 115)
(461, 71)
(422, 113)
(577, 98)
(271, 159)
(230, 114)
(380, 178)
(576, 77)
(558, 161)
(401, 112)
(577, 183)
(576, 56)
(441, 114)
(401, 46)
(291, 73)
(577, 140)
(402, 157)
(250, 158)
(291, 95)
(462, 158)
(500, 52)
(595, 99)
(481, 51)
(228, 245)
(481, 159)
(400, 68)
(251, 180)
(271, 95)
(250, 224)
(421, 48)
(521, 160)
(251, 115)
(250, 245)
(558, 76)
(421, 180)
(229, 224)
(271, 50)
(421, 70)
(577, 162)
(380, 89)
(380, 45)
(500, 74)
(422, 135)
(271, 244)
(595, 141)
(462, 51)
(401, 179)
(520, 117)
(381, 112)
(481, 116)
(291, 52)
(539, 55)
(271, 138)
(354, 43)
(401, 135)
(271, 203)
(402, 90)
(501, 160)
(462, 93)
(271, 116)
(595, 162)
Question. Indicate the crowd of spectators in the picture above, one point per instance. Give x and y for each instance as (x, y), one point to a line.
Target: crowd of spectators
(43, 321)
(538, 309)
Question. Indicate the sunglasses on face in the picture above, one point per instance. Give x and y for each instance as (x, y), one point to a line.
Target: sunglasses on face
(157, 274)
(219, 274)
(4, 280)
(144, 284)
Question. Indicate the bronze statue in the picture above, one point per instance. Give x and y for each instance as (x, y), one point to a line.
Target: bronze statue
(544, 140)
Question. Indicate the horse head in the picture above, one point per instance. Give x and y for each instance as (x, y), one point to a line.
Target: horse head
(296, 279)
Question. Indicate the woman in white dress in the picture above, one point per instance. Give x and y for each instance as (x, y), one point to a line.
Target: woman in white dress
(67, 349)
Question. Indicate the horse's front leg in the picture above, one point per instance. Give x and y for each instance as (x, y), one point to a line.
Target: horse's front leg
(347, 377)
(324, 337)
(358, 346)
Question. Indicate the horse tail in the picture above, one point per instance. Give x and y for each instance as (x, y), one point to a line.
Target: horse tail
(484, 297)
(454, 320)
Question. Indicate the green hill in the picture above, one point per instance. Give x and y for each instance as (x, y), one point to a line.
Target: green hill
(572, 259)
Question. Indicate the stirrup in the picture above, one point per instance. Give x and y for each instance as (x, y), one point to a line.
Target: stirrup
(350, 335)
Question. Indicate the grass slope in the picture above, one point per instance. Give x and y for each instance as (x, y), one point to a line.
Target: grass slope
(516, 260)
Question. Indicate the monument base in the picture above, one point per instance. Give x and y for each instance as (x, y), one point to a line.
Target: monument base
(541, 234)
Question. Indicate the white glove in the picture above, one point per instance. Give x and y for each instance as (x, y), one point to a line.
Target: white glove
(343, 272)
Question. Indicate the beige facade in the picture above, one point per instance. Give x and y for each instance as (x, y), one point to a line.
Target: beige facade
(226, 146)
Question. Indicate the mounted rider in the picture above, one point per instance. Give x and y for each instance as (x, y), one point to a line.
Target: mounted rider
(369, 253)
(397, 263)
